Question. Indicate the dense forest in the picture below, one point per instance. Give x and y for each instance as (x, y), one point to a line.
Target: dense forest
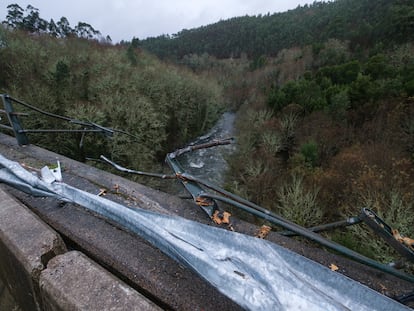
(363, 23)
(323, 95)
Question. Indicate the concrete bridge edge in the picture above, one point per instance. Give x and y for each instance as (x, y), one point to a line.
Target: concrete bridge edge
(41, 274)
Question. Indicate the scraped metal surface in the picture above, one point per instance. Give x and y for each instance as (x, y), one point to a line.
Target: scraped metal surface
(255, 273)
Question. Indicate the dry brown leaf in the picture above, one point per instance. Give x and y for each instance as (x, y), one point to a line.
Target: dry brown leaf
(203, 201)
(396, 235)
(263, 232)
(333, 267)
(221, 217)
(408, 242)
(216, 218)
(404, 240)
(226, 217)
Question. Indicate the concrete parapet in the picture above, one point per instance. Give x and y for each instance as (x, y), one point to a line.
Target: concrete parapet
(41, 275)
(26, 245)
(74, 282)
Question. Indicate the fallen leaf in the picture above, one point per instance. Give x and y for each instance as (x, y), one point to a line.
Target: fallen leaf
(333, 267)
(221, 217)
(396, 235)
(216, 218)
(226, 217)
(263, 232)
(402, 239)
(408, 242)
(203, 201)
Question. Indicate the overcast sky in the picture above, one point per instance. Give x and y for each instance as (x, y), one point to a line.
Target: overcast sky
(124, 19)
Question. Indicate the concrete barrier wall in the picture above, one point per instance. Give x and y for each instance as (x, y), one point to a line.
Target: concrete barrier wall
(74, 282)
(41, 274)
(26, 244)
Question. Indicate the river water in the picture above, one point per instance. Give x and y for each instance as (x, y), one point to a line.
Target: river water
(210, 164)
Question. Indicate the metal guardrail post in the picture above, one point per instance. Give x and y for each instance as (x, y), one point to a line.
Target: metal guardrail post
(383, 230)
(208, 205)
(14, 121)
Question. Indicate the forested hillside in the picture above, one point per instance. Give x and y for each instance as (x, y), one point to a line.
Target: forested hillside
(324, 95)
(326, 128)
(361, 22)
(161, 106)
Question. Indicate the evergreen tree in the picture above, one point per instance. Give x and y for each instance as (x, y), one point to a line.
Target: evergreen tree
(64, 28)
(14, 18)
(32, 21)
(86, 31)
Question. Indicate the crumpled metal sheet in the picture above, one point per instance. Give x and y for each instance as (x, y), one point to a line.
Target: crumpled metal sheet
(255, 273)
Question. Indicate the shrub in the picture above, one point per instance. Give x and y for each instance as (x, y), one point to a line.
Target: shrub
(288, 124)
(309, 151)
(339, 104)
(362, 89)
(340, 74)
(298, 204)
(378, 67)
(409, 87)
(272, 142)
(277, 99)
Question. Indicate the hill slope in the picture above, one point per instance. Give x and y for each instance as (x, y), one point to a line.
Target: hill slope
(363, 22)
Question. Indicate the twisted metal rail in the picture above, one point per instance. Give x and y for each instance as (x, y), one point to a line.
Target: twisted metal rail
(20, 132)
(207, 201)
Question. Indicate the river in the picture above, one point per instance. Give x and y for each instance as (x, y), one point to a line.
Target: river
(211, 164)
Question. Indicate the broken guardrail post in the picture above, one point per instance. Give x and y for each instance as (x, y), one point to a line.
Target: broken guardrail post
(389, 235)
(14, 121)
(209, 206)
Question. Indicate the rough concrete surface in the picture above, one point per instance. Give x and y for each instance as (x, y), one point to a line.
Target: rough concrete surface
(74, 282)
(26, 244)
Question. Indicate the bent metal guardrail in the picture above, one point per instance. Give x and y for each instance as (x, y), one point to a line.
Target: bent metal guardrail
(16, 126)
(201, 195)
(254, 273)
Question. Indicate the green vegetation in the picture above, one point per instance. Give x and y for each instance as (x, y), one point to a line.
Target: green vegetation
(346, 130)
(120, 87)
(333, 113)
(336, 88)
(299, 204)
(361, 22)
(29, 20)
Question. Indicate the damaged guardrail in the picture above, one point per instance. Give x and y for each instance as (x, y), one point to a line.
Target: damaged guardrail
(255, 273)
(20, 132)
(207, 201)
